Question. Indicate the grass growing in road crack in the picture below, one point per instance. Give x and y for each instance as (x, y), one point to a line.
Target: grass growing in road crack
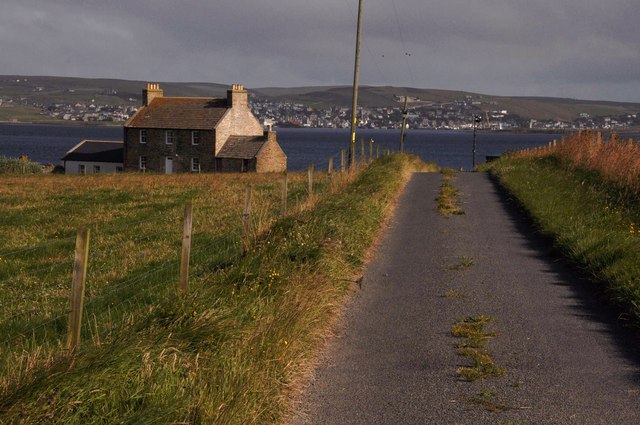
(454, 293)
(449, 196)
(464, 262)
(485, 400)
(473, 330)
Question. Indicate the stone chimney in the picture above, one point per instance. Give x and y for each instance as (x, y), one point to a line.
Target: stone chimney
(270, 136)
(152, 91)
(237, 96)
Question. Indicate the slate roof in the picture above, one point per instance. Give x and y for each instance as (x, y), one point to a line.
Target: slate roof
(96, 151)
(243, 147)
(188, 113)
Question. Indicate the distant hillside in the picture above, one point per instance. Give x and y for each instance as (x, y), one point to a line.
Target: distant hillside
(45, 90)
(541, 108)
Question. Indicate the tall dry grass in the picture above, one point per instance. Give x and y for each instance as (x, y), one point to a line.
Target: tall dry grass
(616, 160)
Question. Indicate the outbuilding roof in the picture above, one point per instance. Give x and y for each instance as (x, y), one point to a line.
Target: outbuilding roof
(96, 151)
(193, 113)
(243, 147)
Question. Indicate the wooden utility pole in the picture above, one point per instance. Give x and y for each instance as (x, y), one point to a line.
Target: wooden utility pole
(405, 112)
(356, 78)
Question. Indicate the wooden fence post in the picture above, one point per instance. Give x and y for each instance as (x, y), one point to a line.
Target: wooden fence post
(246, 215)
(343, 160)
(77, 288)
(186, 248)
(371, 150)
(363, 157)
(285, 193)
(330, 167)
(378, 152)
(310, 180)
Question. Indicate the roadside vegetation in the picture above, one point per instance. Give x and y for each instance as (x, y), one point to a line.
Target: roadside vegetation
(228, 351)
(18, 166)
(585, 194)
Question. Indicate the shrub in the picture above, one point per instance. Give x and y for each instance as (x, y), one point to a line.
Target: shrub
(18, 166)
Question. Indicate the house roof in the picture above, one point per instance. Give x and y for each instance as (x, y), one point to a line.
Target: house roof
(96, 151)
(194, 113)
(243, 147)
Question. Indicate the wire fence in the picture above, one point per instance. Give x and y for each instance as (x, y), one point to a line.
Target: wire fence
(135, 262)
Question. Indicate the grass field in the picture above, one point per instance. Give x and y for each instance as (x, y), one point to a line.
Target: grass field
(231, 349)
(22, 113)
(585, 193)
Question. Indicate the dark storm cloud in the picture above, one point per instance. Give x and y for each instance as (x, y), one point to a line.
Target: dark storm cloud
(563, 47)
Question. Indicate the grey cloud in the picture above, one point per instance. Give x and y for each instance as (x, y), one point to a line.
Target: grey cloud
(577, 48)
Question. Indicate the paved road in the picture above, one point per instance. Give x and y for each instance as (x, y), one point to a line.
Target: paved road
(567, 359)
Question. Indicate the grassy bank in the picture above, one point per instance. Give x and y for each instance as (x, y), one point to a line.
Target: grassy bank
(591, 213)
(227, 352)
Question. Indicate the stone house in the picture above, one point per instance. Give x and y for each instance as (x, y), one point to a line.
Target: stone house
(197, 134)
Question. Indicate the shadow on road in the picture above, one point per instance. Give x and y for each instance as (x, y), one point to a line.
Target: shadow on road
(589, 298)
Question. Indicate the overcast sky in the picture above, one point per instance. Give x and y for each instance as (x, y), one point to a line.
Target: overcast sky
(587, 49)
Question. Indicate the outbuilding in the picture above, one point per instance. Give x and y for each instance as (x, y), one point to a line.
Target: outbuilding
(95, 157)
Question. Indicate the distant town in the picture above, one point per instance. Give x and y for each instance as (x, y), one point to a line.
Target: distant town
(454, 115)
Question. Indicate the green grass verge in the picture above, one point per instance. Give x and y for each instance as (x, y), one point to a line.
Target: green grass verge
(593, 222)
(232, 350)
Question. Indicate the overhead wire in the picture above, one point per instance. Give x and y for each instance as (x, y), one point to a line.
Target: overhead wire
(406, 53)
(374, 57)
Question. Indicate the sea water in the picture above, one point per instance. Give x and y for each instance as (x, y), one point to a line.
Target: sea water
(303, 146)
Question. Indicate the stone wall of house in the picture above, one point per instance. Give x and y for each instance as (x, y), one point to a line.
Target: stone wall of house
(271, 158)
(156, 150)
(235, 165)
(238, 120)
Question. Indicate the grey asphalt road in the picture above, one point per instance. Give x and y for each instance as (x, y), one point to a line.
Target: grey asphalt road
(568, 359)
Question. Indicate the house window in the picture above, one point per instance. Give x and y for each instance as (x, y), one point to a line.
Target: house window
(195, 137)
(82, 169)
(168, 137)
(142, 163)
(195, 164)
(96, 169)
(143, 136)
